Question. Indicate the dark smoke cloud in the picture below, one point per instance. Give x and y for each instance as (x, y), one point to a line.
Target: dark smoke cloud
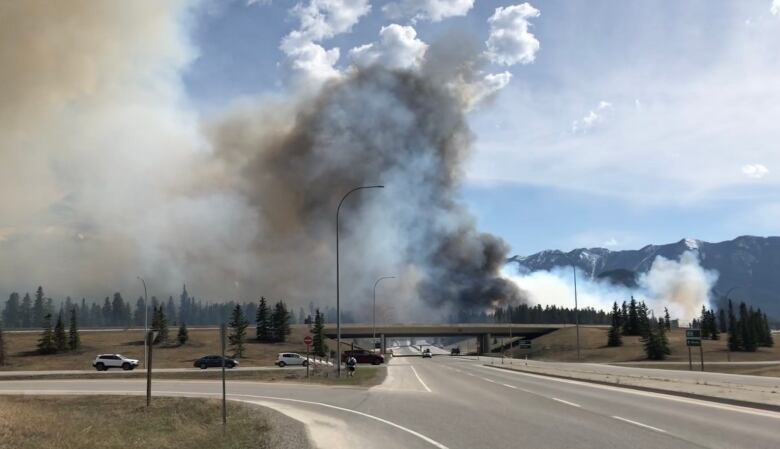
(373, 126)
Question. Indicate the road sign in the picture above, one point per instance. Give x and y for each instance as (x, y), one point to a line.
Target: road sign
(524, 344)
(693, 341)
(693, 334)
(307, 340)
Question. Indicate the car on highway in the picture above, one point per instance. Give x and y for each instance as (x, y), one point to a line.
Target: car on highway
(426, 354)
(455, 351)
(214, 361)
(363, 356)
(105, 361)
(290, 358)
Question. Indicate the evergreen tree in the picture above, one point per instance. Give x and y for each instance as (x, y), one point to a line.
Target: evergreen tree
(656, 345)
(643, 320)
(280, 322)
(184, 305)
(25, 312)
(632, 324)
(735, 340)
(11, 316)
(139, 316)
(183, 335)
(46, 342)
(262, 322)
(107, 314)
(747, 328)
(38, 310)
(74, 340)
(667, 319)
(723, 324)
(614, 338)
(320, 348)
(768, 340)
(170, 310)
(60, 339)
(238, 325)
(160, 324)
(2, 348)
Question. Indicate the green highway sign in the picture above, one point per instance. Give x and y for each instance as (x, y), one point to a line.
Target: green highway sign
(693, 333)
(693, 341)
(524, 344)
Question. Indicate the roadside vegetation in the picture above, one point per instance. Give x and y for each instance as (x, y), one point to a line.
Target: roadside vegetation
(119, 422)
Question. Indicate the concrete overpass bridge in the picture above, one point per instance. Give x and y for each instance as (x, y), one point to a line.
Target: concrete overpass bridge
(483, 332)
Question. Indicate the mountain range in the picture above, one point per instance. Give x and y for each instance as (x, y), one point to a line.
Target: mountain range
(749, 263)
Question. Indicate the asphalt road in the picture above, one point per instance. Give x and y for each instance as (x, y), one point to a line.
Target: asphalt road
(450, 402)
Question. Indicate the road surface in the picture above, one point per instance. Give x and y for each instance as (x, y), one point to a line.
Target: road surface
(451, 402)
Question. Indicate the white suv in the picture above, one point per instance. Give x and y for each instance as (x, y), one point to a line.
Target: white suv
(290, 358)
(106, 361)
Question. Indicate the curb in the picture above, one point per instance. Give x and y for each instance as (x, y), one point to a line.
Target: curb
(701, 397)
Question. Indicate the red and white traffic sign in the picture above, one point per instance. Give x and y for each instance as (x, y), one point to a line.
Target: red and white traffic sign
(307, 340)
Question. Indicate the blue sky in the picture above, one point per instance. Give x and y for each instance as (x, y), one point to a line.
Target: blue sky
(668, 61)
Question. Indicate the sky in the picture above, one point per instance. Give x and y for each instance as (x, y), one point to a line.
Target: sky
(132, 134)
(635, 123)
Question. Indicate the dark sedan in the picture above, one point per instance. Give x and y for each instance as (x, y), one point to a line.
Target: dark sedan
(214, 361)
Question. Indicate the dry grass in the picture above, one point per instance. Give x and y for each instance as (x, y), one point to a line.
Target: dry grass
(365, 376)
(108, 422)
(561, 346)
(20, 349)
(752, 370)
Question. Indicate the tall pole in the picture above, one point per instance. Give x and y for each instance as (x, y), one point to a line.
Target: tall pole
(222, 332)
(373, 314)
(576, 310)
(149, 337)
(338, 299)
(146, 320)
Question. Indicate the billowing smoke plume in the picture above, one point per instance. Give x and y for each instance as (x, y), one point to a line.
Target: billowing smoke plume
(373, 126)
(681, 285)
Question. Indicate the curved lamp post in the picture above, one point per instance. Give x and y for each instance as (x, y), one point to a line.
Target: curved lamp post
(373, 314)
(338, 304)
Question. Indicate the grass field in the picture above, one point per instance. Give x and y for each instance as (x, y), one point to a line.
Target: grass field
(20, 349)
(365, 376)
(108, 422)
(561, 346)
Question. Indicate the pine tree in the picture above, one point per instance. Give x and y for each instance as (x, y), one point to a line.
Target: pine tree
(713, 326)
(656, 345)
(39, 305)
(182, 336)
(747, 328)
(262, 322)
(2, 348)
(60, 339)
(614, 338)
(735, 340)
(46, 342)
(74, 340)
(11, 312)
(663, 341)
(667, 319)
(160, 324)
(320, 348)
(643, 320)
(238, 325)
(25, 313)
(723, 323)
(280, 322)
(632, 325)
(768, 340)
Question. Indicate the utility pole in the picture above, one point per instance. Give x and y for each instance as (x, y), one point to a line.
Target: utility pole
(222, 332)
(149, 340)
(146, 318)
(576, 310)
(338, 291)
(373, 326)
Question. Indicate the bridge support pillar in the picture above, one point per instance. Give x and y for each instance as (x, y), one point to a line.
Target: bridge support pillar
(483, 344)
(383, 344)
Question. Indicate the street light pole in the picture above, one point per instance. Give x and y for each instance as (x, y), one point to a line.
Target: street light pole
(338, 299)
(576, 310)
(373, 326)
(146, 320)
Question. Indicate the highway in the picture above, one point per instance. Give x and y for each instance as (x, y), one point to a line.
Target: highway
(453, 402)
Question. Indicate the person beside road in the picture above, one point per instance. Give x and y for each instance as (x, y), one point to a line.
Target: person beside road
(351, 365)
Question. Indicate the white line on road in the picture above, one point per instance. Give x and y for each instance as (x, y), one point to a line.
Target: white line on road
(488, 380)
(510, 386)
(639, 424)
(421, 381)
(566, 402)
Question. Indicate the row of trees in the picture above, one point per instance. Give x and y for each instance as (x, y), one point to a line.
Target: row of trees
(528, 314)
(634, 318)
(750, 331)
(272, 326)
(115, 311)
(54, 340)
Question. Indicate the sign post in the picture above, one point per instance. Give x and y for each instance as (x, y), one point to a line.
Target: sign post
(307, 341)
(222, 332)
(693, 338)
(149, 343)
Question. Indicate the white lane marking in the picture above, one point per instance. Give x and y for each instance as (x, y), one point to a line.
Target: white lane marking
(640, 424)
(510, 386)
(231, 396)
(421, 381)
(470, 374)
(566, 402)
(726, 407)
(488, 380)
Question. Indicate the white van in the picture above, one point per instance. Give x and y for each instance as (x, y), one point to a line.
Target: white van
(290, 358)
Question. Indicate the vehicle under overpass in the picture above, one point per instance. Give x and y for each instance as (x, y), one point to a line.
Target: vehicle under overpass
(483, 332)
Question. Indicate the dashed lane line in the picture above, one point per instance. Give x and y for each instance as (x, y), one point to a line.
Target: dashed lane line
(640, 424)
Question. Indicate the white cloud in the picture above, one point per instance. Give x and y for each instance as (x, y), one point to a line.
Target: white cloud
(612, 242)
(430, 10)
(775, 8)
(510, 42)
(319, 20)
(398, 48)
(755, 171)
(595, 117)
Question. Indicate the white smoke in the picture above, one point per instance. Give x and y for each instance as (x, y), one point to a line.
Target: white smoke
(681, 285)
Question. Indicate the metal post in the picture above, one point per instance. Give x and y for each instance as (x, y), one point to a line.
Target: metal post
(222, 331)
(373, 326)
(307, 361)
(690, 361)
(149, 342)
(338, 299)
(701, 354)
(576, 310)
(146, 318)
